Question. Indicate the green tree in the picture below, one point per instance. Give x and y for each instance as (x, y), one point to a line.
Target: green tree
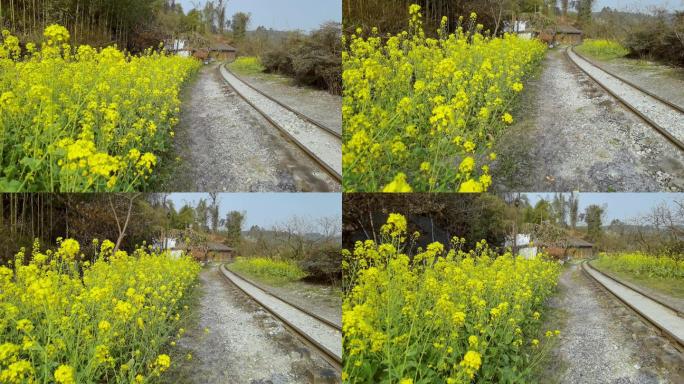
(233, 224)
(240, 24)
(593, 216)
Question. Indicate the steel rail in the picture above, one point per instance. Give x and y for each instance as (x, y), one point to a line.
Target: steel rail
(664, 132)
(334, 360)
(288, 302)
(327, 168)
(678, 343)
(628, 82)
(296, 112)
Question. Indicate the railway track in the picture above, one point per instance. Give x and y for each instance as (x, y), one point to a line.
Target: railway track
(663, 116)
(319, 142)
(322, 335)
(668, 320)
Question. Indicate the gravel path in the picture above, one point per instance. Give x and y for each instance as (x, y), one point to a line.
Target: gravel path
(603, 342)
(322, 333)
(224, 145)
(665, 116)
(317, 104)
(571, 135)
(656, 312)
(244, 343)
(324, 145)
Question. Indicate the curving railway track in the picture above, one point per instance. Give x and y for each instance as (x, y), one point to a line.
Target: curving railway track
(323, 335)
(321, 143)
(667, 319)
(663, 116)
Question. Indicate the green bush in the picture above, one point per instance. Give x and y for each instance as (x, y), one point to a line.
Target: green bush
(603, 49)
(247, 65)
(270, 270)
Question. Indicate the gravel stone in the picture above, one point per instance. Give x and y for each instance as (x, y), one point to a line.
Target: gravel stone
(324, 145)
(244, 344)
(571, 135)
(668, 118)
(596, 344)
(315, 103)
(224, 145)
(324, 334)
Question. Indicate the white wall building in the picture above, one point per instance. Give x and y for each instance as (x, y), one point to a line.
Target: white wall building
(524, 245)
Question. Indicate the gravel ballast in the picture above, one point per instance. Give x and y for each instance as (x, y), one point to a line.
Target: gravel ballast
(662, 114)
(244, 344)
(224, 145)
(604, 342)
(571, 135)
(330, 338)
(324, 145)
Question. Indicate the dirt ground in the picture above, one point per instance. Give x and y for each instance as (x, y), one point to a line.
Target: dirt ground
(224, 145)
(570, 135)
(244, 344)
(602, 341)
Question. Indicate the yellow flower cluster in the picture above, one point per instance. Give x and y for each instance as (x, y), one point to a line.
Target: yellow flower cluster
(441, 315)
(67, 320)
(642, 264)
(78, 119)
(414, 108)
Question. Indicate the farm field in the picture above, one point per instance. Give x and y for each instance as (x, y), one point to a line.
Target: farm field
(68, 319)
(106, 119)
(443, 315)
(156, 304)
(424, 302)
(422, 114)
(663, 274)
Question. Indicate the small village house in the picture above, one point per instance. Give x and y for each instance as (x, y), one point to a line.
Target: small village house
(222, 52)
(210, 251)
(569, 35)
(178, 47)
(522, 28)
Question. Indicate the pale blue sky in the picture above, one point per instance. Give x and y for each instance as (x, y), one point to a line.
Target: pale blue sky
(267, 209)
(622, 206)
(641, 4)
(282, 14)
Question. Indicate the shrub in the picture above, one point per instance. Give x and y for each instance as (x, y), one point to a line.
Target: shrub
(247, 64)
(441, 316)
(273, 271)
(67, 320)
(603, 49)
(323, 265)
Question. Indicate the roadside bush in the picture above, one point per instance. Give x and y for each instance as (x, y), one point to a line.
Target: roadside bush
(603, 49)
(273, 271)
(314, 60)
(324, 265)
(247, 64)
(660, 39)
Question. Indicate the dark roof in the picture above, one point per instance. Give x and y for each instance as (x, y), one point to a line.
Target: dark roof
(567, 29)
(218, 247)
(579, 243)
(222, 47)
